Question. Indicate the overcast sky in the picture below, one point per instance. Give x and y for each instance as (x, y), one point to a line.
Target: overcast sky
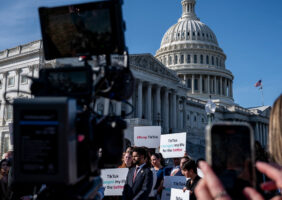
(248, 31)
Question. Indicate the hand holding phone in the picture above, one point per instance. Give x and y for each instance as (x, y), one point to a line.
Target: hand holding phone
(230, 152)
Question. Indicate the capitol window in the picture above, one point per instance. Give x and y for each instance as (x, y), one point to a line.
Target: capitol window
(198, 33)
(175, 59)
(212, 60)
(182, 59)
(11, 81)
(169, 60)
(195, 59)
(202, 59)
(1, 83)
(196, 84)
(207, 59)
(9, 112)
(188, 59)
(216, 61)
(164, 61)
(193, 33)
(23, 79)
(189, 83)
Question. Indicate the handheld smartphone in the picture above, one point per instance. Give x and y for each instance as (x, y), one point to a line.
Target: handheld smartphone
(230, 152)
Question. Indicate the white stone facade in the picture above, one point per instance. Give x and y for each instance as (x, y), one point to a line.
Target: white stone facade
(171, 89)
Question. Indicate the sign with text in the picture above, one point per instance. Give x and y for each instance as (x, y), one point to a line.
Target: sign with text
(177, 194)
(173, 145)
(177, 182)
(148, 136)
(114, 180)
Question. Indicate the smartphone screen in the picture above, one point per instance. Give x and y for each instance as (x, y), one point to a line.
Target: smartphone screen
(231, 156)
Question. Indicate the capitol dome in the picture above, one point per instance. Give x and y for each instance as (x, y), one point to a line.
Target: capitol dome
(191, 49)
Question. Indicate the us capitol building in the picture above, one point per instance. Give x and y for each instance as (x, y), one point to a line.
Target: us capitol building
(171, 88)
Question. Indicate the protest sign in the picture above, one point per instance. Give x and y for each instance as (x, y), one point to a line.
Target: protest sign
(148, 136)
(173, 145)
(177, 182)
(114, 180)
(177, 194)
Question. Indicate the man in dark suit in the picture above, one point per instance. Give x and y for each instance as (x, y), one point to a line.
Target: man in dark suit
(139, 179)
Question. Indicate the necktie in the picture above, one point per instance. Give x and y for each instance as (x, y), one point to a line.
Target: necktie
(135, 173)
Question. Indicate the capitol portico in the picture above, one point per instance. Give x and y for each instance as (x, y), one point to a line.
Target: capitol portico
(171, 88)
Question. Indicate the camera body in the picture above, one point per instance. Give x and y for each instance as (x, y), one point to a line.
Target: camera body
(58, 134)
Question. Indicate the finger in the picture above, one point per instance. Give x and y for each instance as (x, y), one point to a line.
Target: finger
(213, 183)
(272, 172)
(277, 198)
(252, 194)
(268, 186)
(201, 191)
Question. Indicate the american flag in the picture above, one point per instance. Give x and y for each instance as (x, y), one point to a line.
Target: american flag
(258, 84)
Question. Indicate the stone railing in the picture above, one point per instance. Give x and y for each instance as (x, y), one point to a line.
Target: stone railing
(240, 109)
(138, 122)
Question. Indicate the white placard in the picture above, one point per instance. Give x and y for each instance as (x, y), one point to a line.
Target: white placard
(177, 194)
(147, 136)
(173, 145)
(177, 182)
(114, 180)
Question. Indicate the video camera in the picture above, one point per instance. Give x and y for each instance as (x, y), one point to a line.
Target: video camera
(58, 134)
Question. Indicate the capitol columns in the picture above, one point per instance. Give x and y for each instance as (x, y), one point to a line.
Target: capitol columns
(173, 92)
(193, 84)
(149, 102)
(139, 99)
(209, 86)
(166, 107)
(184, 113)
(129, 108)
(231, 89)
(221, 87)
(158, 100)
(201, 84)
(215, 86)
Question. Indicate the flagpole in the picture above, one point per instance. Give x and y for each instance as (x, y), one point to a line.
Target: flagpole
(262, 95)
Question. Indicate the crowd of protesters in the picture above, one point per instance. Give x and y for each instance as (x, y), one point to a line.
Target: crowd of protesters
(147, 169)
(146, 173)
(142, 183)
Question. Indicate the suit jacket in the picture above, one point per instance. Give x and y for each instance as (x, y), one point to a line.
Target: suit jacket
(142, 186)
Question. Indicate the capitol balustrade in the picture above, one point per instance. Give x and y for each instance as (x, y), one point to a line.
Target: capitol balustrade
(138, 122)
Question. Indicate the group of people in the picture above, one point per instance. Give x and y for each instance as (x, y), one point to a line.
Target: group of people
(147, 169)
(145, 178)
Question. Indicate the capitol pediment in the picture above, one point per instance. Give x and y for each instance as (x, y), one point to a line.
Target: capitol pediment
(149, 63)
